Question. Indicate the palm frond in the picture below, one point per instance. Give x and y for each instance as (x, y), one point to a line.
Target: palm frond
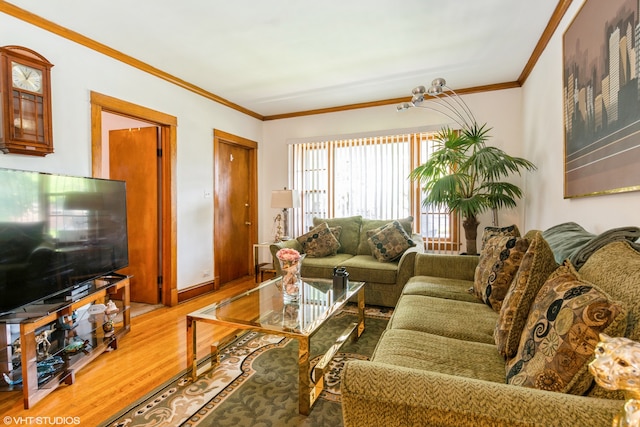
(466, 175)
(470, 206)
(502, 194)
(496, 164)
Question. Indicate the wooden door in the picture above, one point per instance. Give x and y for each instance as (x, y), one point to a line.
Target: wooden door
(133, 158)
(235, 213)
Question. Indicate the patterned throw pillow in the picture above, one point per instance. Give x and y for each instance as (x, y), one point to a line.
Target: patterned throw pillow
(615, 268)
(389, 242)
(489, 232)
(319, 242)
(561, 334)
(371, 226)
(498, 264)
(350, 234)
(337, 231)
(536, 266)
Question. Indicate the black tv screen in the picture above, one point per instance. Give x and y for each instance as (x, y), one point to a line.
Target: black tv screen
(56, 233)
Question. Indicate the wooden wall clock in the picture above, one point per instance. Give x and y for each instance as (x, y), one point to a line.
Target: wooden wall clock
(25, 104)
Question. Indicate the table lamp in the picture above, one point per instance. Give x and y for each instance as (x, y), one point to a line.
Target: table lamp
(285, 200)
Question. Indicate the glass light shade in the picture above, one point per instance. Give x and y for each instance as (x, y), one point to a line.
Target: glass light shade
(435, 90)
(419, 90)
(416, 99)
(439, 82)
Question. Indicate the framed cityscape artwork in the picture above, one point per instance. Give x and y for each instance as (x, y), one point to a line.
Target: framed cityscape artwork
(601, 91)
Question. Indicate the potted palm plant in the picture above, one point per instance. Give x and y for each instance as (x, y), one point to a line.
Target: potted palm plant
(466, 176)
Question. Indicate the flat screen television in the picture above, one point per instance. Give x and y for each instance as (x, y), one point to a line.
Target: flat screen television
(57, 233)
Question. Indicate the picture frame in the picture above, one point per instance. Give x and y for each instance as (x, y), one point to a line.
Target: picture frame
(601, 94)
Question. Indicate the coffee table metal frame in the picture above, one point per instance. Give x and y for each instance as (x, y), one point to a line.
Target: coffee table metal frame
(318, 303)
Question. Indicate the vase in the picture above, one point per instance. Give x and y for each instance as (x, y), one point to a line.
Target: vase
(291, 279)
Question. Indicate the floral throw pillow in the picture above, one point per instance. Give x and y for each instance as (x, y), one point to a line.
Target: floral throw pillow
(389, 242)
(319, 242)
(562, 332)
(536, 266)
(498, 264)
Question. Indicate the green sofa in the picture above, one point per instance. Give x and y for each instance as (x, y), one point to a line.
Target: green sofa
(384, 280)
(437, 363)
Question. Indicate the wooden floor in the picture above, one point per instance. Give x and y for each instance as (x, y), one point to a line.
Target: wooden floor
(150, 354)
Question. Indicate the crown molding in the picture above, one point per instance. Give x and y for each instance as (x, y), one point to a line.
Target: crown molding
(548, 32)
(465, 91)
(71, 35)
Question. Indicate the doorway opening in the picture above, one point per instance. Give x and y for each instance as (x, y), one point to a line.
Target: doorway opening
(158, 152)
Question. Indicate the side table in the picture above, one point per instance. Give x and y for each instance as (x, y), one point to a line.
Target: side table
(259, 268)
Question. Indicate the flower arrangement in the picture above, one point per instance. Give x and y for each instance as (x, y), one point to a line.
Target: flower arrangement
(290, 260)
(288, 255)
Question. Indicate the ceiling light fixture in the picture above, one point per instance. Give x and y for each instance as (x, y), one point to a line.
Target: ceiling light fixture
(443, 100)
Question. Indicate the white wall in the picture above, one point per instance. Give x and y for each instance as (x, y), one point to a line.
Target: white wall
(501, 110)
(77, 71)
(543, 138)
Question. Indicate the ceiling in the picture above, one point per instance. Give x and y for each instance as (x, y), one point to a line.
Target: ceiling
(275, 57)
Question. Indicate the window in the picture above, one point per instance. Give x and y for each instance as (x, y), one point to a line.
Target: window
(368, 176)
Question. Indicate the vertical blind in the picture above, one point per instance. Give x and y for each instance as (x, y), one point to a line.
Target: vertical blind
(367, 176)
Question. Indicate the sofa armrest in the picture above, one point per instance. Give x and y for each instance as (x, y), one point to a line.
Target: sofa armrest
(460, 267)
(381, 394)
(275, 247)
(406, 263)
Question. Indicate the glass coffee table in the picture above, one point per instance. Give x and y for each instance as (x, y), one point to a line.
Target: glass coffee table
(263, 309)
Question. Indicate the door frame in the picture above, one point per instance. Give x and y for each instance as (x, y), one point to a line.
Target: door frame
(168, 142)
(227, 138)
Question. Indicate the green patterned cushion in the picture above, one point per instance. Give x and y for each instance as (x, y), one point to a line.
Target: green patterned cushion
(373, 224)
(489, 232)
(319, 242)
(498, 265)
(389, 242)
(536, 266)
(350, 235)
(615, 268)
(337, 231)
(561, 334)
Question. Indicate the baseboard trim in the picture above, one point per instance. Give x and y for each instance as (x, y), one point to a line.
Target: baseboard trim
(195, 291)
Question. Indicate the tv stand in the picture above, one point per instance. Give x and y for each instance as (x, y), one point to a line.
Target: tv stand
(44, 345)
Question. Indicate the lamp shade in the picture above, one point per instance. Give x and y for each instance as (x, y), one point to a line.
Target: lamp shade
(284, 199)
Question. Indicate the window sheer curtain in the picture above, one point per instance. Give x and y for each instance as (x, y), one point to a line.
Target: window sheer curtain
(366, 176)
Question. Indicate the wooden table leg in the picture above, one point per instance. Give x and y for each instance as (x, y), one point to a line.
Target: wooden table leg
(215, 356)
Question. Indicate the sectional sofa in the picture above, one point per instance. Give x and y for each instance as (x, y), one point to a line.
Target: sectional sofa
(385, 279)
(468, 347)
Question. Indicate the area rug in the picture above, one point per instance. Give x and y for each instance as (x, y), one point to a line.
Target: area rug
(256, 383)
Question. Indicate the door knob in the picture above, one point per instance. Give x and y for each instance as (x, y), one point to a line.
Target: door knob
(247, 223)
